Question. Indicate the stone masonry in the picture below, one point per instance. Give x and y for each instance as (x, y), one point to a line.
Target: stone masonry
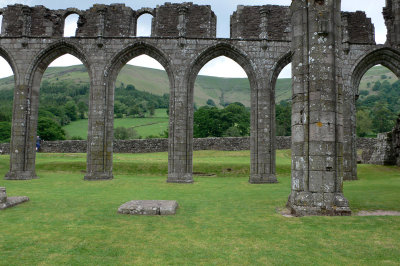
(264, 39)
(317, 118)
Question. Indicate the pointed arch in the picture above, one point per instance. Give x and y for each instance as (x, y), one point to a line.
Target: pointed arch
(49, 54)
(10, 60)
(221, 49)
(384, 56)
(285, 60)
(132, 51)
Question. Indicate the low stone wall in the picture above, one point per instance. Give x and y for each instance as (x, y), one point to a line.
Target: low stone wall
(161, 145)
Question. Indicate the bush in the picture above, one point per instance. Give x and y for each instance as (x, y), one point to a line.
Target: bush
(48, 129)
(5, 131)
(124, 133)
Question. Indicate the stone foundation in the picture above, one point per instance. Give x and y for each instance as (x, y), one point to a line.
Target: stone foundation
(8, 202)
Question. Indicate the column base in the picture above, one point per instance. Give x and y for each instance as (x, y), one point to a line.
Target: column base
(263, 179)
(349, 176)
(20, 175)
(322, 204)
(185, 178)
(98, 176)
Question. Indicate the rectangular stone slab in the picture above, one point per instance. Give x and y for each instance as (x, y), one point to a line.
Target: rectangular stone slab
(149, 207)
(13, 201)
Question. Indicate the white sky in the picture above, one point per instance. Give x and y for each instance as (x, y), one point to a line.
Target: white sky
(221, 66)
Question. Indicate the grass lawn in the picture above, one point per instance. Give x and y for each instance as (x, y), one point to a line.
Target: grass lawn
(145, 127)
(222, 220)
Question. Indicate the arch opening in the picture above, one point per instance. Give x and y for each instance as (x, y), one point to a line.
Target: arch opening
(144, 25)
(220, 84)
(227, 104)
(140, 80)
(64, 100)
(6, 99)
(377, 102)
(283, 101)
(141, 100)
(71, 25)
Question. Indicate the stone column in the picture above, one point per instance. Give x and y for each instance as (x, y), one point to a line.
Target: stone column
(317, 119)
(100, 132)
(180, 140)
(262, 135)
(23, 133)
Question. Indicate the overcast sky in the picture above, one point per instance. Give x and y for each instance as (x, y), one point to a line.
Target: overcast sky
(221, 66)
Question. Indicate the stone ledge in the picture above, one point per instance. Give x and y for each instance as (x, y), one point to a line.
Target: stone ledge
(149, 207)
(13, 201)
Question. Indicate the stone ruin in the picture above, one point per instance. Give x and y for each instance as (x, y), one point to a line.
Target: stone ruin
(330, 51)
(8, 202)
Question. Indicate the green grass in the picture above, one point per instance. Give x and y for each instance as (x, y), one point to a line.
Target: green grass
(222, 220)
(145, 127)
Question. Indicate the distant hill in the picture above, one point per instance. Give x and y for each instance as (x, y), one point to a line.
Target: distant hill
(156, 82)
(206, 87)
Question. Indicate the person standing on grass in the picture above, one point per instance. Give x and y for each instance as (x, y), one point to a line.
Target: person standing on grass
(38, 140)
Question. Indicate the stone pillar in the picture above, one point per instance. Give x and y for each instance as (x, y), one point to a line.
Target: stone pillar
(317, 119)
(262, 135)
(23, 133)
(100, 133)
(180, 140)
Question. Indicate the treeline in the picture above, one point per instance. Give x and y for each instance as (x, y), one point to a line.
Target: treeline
(377, 113)
(62, 102)
(234, 120)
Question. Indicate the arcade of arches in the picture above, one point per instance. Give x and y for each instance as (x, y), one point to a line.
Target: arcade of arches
(264, 39)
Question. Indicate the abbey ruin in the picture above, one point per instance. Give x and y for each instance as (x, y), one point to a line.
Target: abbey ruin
(329, 50)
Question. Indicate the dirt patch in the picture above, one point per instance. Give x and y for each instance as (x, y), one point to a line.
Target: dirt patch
(203, 174)
(378, 213)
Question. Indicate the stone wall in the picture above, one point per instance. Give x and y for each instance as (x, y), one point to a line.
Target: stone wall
(357, 28)
(247, 22)
(161, 145)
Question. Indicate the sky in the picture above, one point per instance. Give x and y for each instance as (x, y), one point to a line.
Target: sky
(222, 66)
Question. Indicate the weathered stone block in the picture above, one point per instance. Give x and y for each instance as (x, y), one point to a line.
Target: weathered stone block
(149, 207)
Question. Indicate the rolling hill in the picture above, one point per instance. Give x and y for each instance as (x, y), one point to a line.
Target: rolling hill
(156, 82)
(206, 87)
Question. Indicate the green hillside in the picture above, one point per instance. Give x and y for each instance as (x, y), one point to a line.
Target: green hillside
(156, 82)
(206, 87)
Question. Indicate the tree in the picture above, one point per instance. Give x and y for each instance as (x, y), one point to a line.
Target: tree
(82, 109)
(5, 131)
(283, 118)
(71, 110)
(383, 119)
(210, 102)
(377, 86)
(124, 133)
(48, 129)
(364, 123)
(213, 122)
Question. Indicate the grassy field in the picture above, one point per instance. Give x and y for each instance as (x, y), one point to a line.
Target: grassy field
(145, 127)
(222, 220)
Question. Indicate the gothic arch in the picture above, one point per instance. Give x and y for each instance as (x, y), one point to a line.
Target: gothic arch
(278, 67)
(132, 51)
(10, 60)
(221, 49)
(385, 56)
(48, 55)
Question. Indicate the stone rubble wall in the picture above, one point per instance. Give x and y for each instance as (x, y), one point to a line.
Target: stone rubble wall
(161, 145)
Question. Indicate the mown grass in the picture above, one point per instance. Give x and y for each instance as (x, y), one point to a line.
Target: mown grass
(145, 127)
(222, 219)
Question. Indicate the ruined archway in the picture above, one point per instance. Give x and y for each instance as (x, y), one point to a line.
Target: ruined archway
(23, 157)
(262, 169)
(118, 61)
(385, 56)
